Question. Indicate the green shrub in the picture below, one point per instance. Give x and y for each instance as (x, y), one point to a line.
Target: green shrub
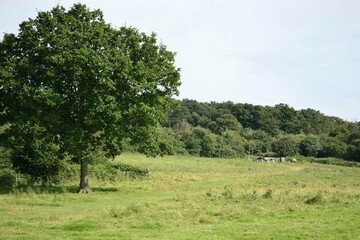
(68, 172)
(39, 160)
(130, 170)
(5, 161)
(169, 144)
(104, 171)
(310, 146)
(7, 180)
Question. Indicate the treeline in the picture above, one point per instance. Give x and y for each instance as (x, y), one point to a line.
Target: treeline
(218, 130)
(234, 130)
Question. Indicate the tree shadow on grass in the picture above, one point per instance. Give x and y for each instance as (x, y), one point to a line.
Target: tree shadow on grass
(53, 189)
(104, 189)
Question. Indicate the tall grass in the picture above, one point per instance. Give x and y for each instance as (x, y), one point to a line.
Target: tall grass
(194, 198)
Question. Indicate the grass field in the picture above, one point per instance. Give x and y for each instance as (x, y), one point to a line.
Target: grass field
(195, 198)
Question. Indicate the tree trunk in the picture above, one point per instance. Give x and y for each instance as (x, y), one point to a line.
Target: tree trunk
(84, 178)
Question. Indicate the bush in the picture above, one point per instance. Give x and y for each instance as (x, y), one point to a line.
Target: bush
(234, 144)
(284, 146)
(68, 172)
(310, 146)
(5, 157)
(332, 147)
(169, 144)
(39, 159)
(201, 142)
(7, 180)
(103, 171)
(130, 170)
(353, 151)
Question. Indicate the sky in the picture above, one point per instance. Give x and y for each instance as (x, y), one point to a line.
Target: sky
(304, 53)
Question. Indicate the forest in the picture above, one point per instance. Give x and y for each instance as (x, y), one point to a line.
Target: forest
(230, 129)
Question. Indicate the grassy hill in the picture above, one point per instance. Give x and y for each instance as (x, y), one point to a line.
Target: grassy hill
(195, 198)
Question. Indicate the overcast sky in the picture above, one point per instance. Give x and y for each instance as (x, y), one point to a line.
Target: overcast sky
(304, 53)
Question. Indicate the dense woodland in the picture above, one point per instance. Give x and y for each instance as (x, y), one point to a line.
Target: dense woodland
(236, 129)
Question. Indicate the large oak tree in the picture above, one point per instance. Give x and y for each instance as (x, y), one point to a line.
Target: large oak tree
(70, 80)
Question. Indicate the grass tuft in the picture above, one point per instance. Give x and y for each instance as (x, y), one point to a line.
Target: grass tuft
(268, 194)
(317, 199)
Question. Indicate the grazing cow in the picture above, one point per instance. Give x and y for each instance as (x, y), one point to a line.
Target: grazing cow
(266, 159)
(293, 160)
(270, 159)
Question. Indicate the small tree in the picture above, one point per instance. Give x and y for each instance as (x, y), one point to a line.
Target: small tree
(353, 149)
(200, 141)
(332, 147)
(310, 146)
(86, 83)
(228, 122)
(284, 146)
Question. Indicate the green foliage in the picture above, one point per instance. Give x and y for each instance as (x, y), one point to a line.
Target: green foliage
(130, 170)
(87, 85)
(285, 146)
(7, 180)
(262, 130)
(227, 122)
(333, 161)
(177, 116)
(332, 147)
(289, 122)
(201, 142)
(234, 142)
(353, 150)
(247, 114)
(4, 151)
(36, 153)
(5, 157)
(269, 121)
(68, 172)
(258, 140)
(310, 146)
(169, 143)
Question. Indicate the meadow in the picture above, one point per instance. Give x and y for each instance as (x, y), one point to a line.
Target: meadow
(194, 198)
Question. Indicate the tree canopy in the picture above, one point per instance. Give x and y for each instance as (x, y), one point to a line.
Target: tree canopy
(71, 81)
(237, 129)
